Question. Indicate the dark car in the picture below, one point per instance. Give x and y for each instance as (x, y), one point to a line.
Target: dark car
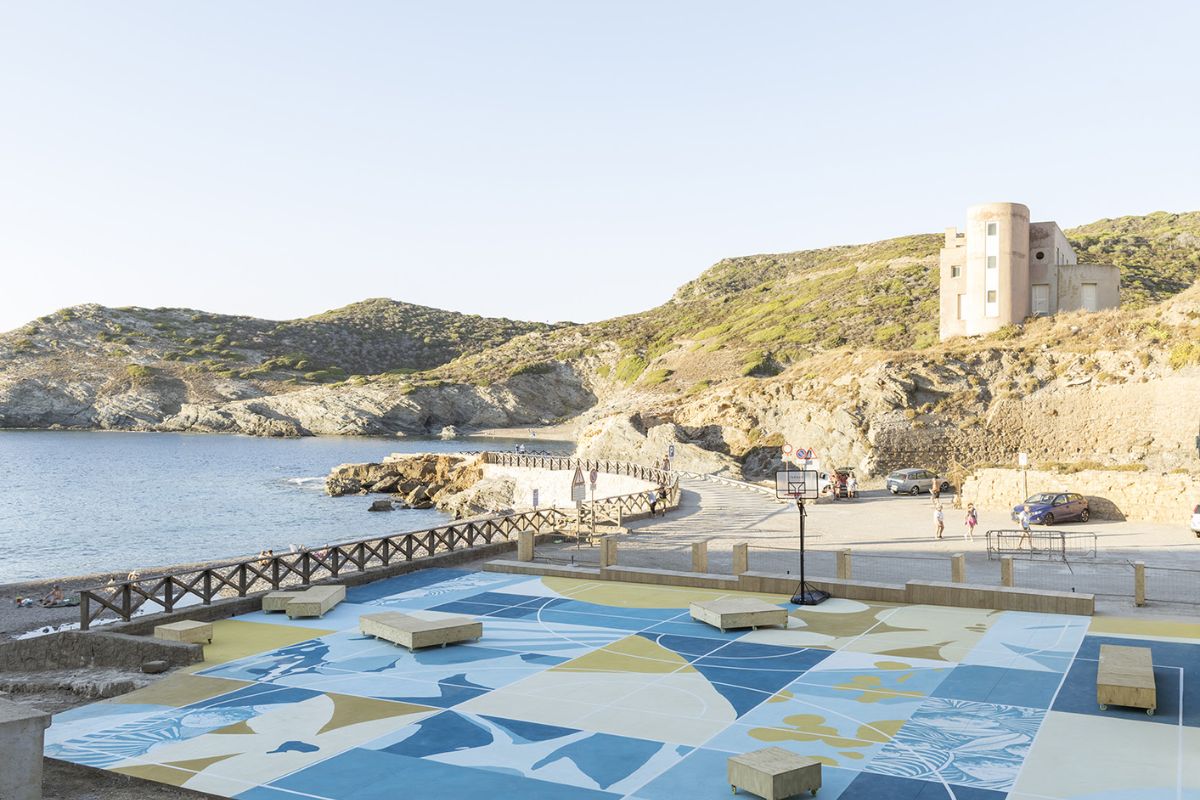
(1048, 508)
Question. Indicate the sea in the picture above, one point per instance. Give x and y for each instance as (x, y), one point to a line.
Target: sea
(87, 502)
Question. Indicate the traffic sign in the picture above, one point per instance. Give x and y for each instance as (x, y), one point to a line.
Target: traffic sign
(535, 498)
(671, 451)
(578, 492)
(592, 479)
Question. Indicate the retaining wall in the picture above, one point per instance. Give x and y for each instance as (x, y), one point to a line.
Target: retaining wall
(1111, 494)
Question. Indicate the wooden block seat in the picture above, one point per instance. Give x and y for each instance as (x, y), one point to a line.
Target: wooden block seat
(414, 632)
(738, 612)
(185, 631)
(1125, 677)
(278, 601)
(774, 773)
(315, 601)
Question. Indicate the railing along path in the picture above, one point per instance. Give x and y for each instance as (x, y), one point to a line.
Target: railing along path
(246, 576)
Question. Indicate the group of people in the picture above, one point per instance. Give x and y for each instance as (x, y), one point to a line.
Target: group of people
(53, 599)
(656, 498)
(970, 520)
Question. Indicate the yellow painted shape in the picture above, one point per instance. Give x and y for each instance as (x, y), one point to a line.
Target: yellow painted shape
(198, 764)
(805, 728)
(639, 595)
(892, 665)
(782, 696)
(237, 728)
(180, 689)
(850, 754)
(172, 776)
(351, 710)
(883, 730)
(1129, 626)
(234, 639)
(631, 654)
(870, 689)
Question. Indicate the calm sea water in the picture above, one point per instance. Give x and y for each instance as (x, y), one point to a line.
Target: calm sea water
(74, 503)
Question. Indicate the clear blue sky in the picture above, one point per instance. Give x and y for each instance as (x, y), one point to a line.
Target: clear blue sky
(552, 160)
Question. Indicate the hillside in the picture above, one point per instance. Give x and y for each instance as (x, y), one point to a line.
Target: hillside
(835, 348)
(130, 367)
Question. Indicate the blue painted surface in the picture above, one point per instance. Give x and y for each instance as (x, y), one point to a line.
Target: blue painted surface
(1014, 687)
(1078, 693)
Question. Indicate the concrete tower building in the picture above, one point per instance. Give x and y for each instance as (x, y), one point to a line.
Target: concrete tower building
(1002, 269)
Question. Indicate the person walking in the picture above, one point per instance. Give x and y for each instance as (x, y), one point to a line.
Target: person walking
(852, 486)
(935, 489)
(1023, 518)
(971, 521)
(662, 499)
(939, 519)
(652, 497)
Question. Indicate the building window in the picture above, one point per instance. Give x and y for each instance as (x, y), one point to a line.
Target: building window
(991, 296)
(955, 272)
(962, 301)
(991, 262)
(993, 228)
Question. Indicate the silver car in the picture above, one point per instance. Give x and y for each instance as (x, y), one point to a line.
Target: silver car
(914, 481)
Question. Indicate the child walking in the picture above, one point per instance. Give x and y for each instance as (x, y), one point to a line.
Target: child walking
(971, 521)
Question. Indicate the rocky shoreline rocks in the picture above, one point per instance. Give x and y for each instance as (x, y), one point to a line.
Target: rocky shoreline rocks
(420, 480)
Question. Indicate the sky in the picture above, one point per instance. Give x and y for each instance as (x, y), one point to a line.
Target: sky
(552, 160)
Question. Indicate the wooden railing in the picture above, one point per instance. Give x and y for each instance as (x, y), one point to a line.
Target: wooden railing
(247, 576)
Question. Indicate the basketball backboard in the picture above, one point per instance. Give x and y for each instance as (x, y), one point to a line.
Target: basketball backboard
(797, 484)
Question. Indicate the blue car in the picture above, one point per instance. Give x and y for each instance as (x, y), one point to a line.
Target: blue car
(1048, 508)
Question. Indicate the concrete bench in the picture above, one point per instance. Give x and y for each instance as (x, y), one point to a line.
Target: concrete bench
(427, 630)
(185, 631)
(774, 773)
(315, 601)
(510, 567)
(1125, 677)
(780, 583)
(738, 612)
(278, 601)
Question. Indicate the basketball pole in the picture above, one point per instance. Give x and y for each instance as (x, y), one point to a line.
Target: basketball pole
(805, 595)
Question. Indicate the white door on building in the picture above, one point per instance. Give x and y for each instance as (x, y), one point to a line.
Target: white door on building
(1041, 299)
(1090, 302)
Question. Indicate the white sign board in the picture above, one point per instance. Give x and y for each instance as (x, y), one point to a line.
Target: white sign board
(578, 487)
(535, 498)
(1022, 459)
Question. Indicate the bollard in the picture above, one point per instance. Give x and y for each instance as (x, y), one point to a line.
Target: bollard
(1139, 583)
(22, 734)
(608, 551)
(700, 556)
(525, 546)
(741, 558)
(1006, 571)
(844, 567)
(958, 568)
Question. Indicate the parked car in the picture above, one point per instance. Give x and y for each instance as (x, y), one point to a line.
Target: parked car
(914, 481)
(1047, 508)
(1196, 521)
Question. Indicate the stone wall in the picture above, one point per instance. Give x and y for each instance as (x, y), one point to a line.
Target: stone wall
(1111, 494)
(554, 485)
(75, 649)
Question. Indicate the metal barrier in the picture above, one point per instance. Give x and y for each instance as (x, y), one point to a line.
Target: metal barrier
(239, 578)
(1049, 545)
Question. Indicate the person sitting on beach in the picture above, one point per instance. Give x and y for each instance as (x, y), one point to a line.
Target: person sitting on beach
(53, 598)
(24, 602)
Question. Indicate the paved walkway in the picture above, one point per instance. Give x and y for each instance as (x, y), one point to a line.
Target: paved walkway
(892, 540)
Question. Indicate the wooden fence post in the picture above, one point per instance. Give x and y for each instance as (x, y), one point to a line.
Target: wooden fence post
(608, 551)
(845, 568)
(741, 558)
(958, 568)
(1006, 571)
(700, 556)
(1139, 583)
(525, 546)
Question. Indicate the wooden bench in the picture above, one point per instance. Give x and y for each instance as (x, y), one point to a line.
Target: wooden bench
(738, 612)
(427, 630)
(1125, 677)
(315, 601)
(277, 601)
(774, 773)
(185, 631)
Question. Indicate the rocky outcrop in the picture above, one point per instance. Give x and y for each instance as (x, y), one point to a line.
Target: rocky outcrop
(625, 438)
(422, 480)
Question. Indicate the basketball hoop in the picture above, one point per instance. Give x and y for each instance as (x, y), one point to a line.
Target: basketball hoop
(801, 485)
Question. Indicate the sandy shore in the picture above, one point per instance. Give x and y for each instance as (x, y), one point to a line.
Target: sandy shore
(564, 432)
